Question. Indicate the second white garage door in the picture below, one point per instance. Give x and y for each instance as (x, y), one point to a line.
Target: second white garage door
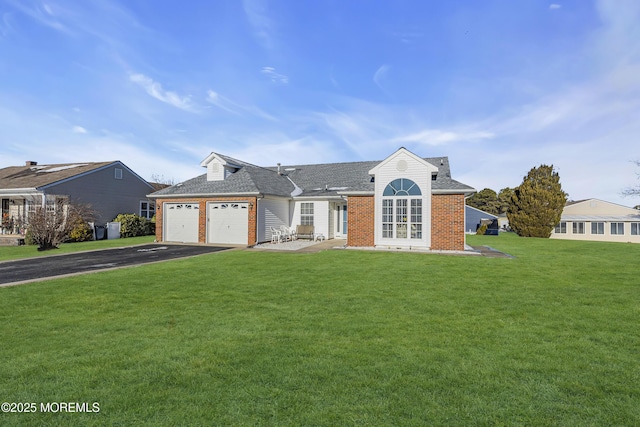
(228, 223)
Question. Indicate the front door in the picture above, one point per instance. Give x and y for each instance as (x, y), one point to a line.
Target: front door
(340, 217)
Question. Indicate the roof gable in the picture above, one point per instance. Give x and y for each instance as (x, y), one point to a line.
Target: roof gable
(402, 152)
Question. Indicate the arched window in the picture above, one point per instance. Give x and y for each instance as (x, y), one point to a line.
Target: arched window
(402, 210)
(402, 187)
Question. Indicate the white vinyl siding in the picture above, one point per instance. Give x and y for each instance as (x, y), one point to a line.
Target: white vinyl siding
(271, 213)
(400, 221)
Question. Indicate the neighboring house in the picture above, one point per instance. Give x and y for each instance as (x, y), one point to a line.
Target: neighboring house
(403, 201)
(473, 216)
(594, 219)
(109, 188)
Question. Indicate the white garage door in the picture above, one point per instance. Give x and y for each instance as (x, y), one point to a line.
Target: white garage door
(228, 223)
(181, 222)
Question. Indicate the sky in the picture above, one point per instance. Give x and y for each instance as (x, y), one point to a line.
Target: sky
(498, 86)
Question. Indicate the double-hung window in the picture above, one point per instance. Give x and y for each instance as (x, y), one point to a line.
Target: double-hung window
(617, 228)
(402, 210)
(597, 228)
(635, 228)
(578, 228)
(147, 209)
(561, 228)
(306, 213)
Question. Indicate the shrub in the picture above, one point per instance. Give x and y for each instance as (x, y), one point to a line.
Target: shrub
(81, 232)
(132, 225)
(28, 237)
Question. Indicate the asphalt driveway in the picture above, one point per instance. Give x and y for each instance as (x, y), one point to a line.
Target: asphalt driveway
(33, 269)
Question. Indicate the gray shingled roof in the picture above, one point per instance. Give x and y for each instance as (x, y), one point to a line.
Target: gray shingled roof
(38, 176)
(327, 179)
(249, 179)
(354, 176)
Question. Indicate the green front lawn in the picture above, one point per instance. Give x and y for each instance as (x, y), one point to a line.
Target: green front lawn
(338, 338)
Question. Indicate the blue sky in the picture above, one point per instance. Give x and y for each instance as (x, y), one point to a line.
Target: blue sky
(499, 86)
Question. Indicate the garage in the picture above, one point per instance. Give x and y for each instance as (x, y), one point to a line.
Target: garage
(228, 223)
(181, 222)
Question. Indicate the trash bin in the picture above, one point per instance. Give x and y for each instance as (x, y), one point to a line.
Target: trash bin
(101, 232)
(113, 230)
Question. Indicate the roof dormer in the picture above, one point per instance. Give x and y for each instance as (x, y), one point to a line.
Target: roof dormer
(219, 167)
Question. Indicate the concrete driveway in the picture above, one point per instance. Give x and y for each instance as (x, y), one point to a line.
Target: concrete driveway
(47, 267)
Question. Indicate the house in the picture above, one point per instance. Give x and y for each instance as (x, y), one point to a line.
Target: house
(594, 219)
(473, 216)
(403, 201)
(110, 188)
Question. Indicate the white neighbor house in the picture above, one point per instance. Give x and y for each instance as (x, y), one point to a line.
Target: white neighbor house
(594, 219)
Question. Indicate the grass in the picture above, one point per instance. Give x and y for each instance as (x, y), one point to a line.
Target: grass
(17, 252)
(550, 337)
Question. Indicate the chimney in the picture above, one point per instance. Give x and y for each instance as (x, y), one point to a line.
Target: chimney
(279, 173)
(31, 163)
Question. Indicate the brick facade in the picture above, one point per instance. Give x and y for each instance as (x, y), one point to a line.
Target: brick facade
(447, 222)
(202, 219)
(360, 221)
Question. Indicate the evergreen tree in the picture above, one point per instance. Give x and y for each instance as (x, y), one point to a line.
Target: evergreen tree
(504, 199)
(485, 200)
(537, 203)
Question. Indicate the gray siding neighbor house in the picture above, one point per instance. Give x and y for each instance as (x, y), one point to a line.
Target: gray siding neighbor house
(473, 216)
(110, 188)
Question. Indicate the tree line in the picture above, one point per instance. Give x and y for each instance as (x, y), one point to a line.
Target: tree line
(533, 208)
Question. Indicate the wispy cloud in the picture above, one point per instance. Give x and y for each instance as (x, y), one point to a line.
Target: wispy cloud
(5, 24)
(78, 129)
(263, 26)
(270, 72)
(155, 90)
(220, 101)
(554, 6)
(43, 14)
(380, 75)
(230, 106)
(434, 137)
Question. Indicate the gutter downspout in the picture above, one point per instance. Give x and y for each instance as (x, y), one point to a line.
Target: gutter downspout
(258, 198)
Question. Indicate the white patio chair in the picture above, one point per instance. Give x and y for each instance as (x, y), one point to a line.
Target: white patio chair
(285, 232)
(276, 235)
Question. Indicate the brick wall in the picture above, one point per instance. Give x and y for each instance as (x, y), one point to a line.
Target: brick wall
(447, 222)
(360, 221)
(202, 219)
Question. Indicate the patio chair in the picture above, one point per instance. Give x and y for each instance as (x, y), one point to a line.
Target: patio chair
(286, 232)
(276, 235)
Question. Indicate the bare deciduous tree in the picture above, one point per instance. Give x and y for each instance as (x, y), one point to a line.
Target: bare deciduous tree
(50, 226)
(158, 182)
(633, 191)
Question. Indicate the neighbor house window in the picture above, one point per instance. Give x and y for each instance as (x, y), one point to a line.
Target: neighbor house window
(578, 228)
(617, 228)
(597, 228)
(147, 209)
(118, 173)
(561, 228)
(402, 210)
(635, 228)
(306, 213)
